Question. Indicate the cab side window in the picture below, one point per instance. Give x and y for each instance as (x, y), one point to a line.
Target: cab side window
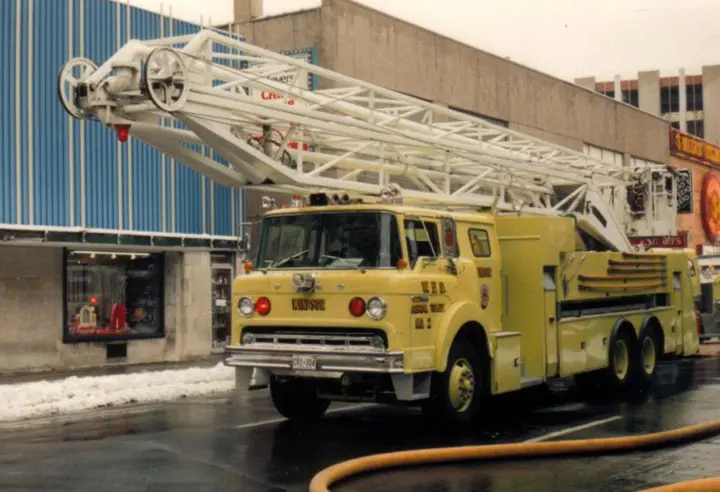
(421, 238)
(479, 242)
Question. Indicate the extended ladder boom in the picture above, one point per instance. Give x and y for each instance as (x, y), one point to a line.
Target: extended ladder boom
(252, 107)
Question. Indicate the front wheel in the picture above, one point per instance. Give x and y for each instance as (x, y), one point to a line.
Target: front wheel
(297, 399)
(458, 393)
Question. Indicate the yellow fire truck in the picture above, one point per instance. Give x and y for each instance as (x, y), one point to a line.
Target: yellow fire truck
(425, 255)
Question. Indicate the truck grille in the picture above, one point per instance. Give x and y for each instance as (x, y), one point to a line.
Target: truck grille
(326, 338)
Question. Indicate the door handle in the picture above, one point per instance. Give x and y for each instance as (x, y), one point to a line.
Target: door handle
(551, 319)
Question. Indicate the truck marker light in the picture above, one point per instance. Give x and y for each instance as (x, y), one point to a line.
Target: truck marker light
(357, 306)
(123, 132)
(402, 264)
(262, 306)
(248, 266)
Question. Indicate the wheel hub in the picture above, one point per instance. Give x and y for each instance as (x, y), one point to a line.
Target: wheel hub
(621, 360)
(648, 355)
(462, 385)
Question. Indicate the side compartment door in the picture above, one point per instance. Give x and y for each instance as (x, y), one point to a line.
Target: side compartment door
(551, 334)
(678, 308)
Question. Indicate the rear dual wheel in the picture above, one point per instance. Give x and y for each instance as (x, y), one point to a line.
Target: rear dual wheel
(630, 363)
(649, 345)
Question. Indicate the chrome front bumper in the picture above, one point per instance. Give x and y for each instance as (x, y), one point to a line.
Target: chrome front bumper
(313, 360)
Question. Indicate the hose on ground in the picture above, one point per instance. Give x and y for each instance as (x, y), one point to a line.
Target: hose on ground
(322, 481)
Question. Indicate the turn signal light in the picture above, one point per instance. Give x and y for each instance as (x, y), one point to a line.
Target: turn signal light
(262, 306)
(357, 306)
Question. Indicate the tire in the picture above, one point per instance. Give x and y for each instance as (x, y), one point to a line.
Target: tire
(647, 357)
(620, 373)
(459, 393)
(297, 400)
(622, 361)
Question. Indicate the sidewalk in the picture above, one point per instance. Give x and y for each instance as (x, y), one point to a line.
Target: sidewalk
(57, 393)
(108, 370)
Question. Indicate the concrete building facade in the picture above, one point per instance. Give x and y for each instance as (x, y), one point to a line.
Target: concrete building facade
(110, 253)
(686, 101)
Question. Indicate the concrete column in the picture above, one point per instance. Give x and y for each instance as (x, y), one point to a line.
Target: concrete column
(711, 102)
(649, 91)
(247, 10)
(195, 334)
(682, 93)
(586, 83)
(618, 88)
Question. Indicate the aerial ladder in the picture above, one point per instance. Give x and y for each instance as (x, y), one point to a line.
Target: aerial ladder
(253, 108)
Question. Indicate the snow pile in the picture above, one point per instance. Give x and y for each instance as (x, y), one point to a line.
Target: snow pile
(72, 394)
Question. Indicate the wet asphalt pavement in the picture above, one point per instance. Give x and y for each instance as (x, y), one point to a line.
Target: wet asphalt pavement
(213, 444)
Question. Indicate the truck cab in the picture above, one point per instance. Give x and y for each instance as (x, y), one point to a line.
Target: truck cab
(362, 302)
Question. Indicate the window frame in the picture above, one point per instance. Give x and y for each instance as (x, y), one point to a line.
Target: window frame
(69, 338)
(262, 242)
(438, 245)
(487, 234)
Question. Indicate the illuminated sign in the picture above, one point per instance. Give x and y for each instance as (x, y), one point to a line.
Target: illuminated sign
(691, 147)
(710, 206)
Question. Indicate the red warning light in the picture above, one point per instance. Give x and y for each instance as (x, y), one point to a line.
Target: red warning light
(123, 131)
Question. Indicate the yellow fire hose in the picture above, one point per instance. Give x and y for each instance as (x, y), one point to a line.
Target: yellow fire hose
(340, 471)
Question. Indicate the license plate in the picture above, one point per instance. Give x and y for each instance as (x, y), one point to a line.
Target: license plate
(308, 304)
(304, 362)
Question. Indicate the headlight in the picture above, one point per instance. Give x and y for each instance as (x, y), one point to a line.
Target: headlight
(376, 308)
(245, 306)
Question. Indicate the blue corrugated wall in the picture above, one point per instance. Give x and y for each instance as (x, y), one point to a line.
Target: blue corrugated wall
(60, 172)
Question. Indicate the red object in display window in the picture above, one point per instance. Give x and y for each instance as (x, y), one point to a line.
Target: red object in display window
(117, 318)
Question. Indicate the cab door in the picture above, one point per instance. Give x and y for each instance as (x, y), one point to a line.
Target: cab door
(422, 241)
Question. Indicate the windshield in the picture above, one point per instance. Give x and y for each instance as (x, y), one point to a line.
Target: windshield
(330, 240)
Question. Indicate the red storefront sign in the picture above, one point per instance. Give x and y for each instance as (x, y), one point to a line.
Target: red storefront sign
(691, 147)
(678, 241)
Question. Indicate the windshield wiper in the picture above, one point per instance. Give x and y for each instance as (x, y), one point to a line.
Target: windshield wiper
(286, 259)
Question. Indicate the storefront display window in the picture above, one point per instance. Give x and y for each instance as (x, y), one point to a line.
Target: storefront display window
(113, 295)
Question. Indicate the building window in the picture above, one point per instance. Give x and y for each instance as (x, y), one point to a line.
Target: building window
(694, 97)
(610, 94)
(605, 155)
(669, 99)
(696, 127)
(113, 295)
(222, 265)
(631, 97)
